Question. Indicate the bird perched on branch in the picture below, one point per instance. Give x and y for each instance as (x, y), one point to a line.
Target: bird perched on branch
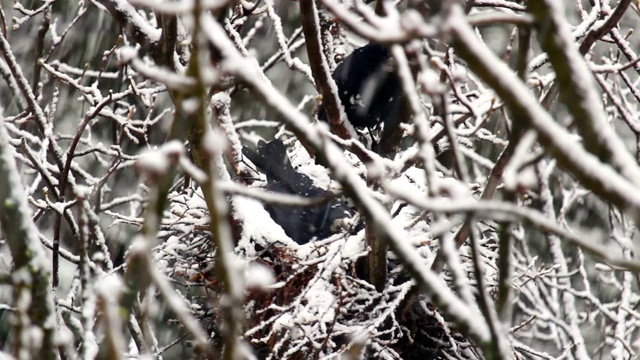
(368, 88)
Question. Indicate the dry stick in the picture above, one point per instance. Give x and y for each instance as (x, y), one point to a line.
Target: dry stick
(49, 182)
(447, 244)
(498, 169)
(624, 47)
(608, 27)
(376, 261)
(126, 16)
(222, 119)
(461, 236)
(66, 32)
(560, 260)
(220, 104)
(169, 38)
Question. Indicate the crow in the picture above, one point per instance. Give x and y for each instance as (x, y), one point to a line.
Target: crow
(301, 224)
(369, 89)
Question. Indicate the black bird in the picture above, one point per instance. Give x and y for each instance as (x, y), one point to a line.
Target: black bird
(368, 87)
(301, 224)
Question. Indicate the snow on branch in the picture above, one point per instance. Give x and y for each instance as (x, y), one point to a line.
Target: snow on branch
(31, 272)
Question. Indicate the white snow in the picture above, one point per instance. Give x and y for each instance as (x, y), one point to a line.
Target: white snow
(153, 162)
(259, 276)
(214, 141)
(109, 287)
(126, 54)
(191, 105)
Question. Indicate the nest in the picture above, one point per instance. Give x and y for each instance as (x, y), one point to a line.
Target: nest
(315, 313)
(319, 307)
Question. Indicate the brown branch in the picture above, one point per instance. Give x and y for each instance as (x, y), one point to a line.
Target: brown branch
(64, 177)
(376, 261)
(42, 32)
(320, 70)
(611, 23)
(168, 39)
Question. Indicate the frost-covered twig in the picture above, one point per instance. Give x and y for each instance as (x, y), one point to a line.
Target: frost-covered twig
(390, 29)
(578, 90)
(605, 181)
(128, 18)
(31, 270)
(568, 299)
(221, 103)
(178, 307)
(500, 347)
(502, 211)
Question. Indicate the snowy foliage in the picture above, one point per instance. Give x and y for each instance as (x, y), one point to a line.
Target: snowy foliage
(167, 189)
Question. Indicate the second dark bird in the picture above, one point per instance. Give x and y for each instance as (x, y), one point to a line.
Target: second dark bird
(368, 88)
